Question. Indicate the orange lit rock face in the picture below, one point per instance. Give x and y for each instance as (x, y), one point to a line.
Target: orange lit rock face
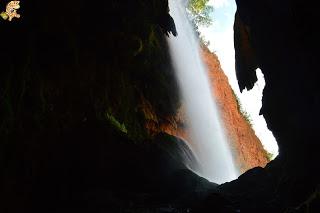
(176, 125)
(246, 147)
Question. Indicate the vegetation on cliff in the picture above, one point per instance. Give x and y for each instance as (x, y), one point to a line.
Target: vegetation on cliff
(200, 11)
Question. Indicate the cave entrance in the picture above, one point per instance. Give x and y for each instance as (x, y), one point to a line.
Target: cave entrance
(218, 37)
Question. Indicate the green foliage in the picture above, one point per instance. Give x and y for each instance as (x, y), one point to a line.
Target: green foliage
(244, 114)
(196, 6)
(269, 155)
(204, 42)
(114, 122)
(200, 12)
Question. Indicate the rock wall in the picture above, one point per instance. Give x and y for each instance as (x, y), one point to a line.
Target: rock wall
(281, 38)
(61, 70)
(246, 146)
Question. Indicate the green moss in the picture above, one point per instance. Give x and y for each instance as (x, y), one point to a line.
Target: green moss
(113, 121)
(269, 155)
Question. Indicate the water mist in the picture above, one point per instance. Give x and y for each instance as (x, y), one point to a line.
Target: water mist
(208, 140)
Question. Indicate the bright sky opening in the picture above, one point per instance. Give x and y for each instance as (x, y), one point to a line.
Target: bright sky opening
(220, 36)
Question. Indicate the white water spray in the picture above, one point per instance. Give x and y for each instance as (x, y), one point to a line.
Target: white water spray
(209, 143)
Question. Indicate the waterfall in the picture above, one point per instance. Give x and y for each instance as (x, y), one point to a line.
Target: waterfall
(208, 141)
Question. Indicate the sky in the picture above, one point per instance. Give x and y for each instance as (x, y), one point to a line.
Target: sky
(220, 36)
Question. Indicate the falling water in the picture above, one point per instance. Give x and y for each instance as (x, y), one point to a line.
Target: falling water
(208, 140)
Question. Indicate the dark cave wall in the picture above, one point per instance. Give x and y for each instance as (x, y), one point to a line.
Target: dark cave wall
(285, 42)
(280, 37)
(73, 77)
(63, 64)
